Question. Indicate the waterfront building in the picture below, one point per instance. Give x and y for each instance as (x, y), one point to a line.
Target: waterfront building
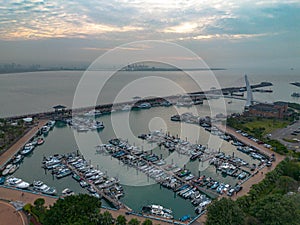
(276, 110)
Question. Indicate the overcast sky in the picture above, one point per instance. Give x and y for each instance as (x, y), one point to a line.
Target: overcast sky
(227, 33)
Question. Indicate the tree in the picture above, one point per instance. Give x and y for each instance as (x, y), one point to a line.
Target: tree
(292, 169)
(75, 209)
(134, 221)
(224, 212)
(277, 209)
(147, 222)
(39, 204)
(105, 219)
(121, 220)
(286, 184)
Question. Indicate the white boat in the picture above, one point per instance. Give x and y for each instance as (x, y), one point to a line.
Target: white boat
(158, 210)
(93, 113)
(45, 189)
(126, 108)
(51, 123)
(83, 184)
(17, 182)
(7, 169)
(13, 168)
(98, 125)
(82, 128)
(18, 159)
(27, 150)
(145, 105)
(45, 129)
(67, 192)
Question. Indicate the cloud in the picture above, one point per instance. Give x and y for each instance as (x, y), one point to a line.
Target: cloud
(129, 20)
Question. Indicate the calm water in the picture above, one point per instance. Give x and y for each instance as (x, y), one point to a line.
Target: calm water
(31, 92)
(37, 92)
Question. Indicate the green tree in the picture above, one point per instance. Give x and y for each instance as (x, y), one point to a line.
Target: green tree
(134, 221)
(121, 220)
(39, 204)
(292, 169)
(277, 209)
(105, 219)
(147, 222)
(286, 184)
(38, 209)
(77, 209)
(224, 212)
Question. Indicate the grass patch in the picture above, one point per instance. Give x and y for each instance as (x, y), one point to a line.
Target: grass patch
(267, 125)
(257, 126)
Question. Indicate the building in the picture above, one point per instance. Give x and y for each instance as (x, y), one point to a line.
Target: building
(276, 110)
(59, 108)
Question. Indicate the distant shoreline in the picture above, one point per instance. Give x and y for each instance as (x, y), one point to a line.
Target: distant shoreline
(46, 70)
(122, 70)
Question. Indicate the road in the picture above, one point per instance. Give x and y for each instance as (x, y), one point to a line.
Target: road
(9, 215)
(286, 133)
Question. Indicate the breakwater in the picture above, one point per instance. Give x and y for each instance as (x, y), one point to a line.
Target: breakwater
(196, 97)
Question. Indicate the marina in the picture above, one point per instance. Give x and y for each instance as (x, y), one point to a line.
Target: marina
(165, 164)
(185, 182)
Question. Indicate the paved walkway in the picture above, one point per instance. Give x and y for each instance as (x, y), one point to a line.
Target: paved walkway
(7, 155)
(249, 142)
(28, 197)
(9, 215)
(24, 196)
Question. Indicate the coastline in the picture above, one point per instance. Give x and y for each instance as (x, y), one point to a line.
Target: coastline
(12, 150)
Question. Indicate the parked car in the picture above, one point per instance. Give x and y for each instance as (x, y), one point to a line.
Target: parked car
(238, 188)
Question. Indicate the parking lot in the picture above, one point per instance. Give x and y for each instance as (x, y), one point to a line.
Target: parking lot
(291, 132)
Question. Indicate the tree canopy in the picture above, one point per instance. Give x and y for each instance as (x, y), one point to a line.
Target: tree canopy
(77, 209)
(277, 209)
(224, 212)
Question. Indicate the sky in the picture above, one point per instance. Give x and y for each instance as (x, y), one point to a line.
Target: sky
(229, 33)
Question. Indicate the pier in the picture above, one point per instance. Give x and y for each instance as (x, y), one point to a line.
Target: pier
(64, 112)
(211, 193)
(117, 204)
